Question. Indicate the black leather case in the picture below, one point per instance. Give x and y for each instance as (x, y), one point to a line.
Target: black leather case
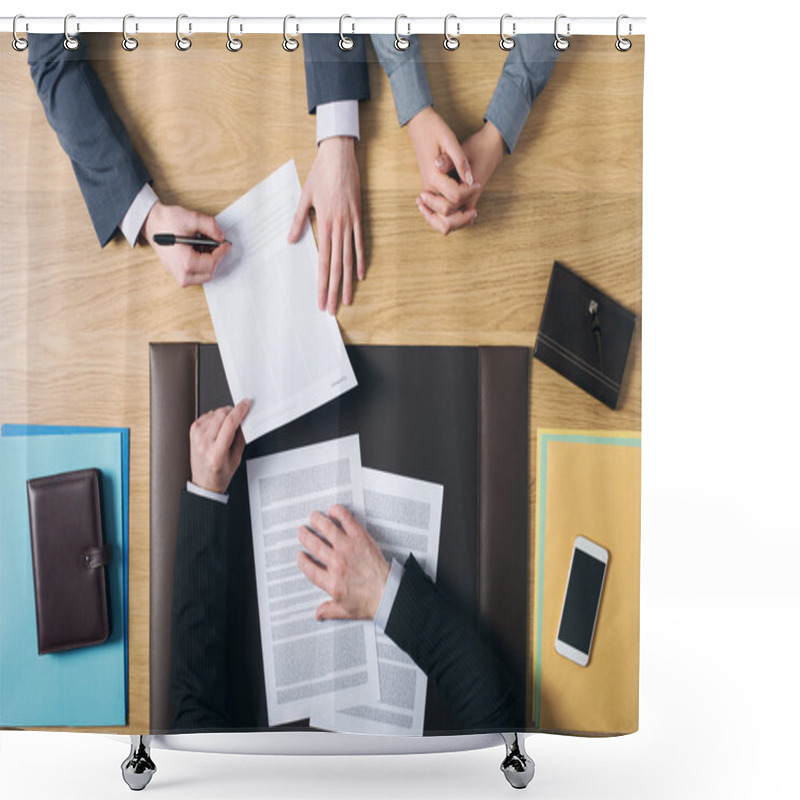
(584, 335)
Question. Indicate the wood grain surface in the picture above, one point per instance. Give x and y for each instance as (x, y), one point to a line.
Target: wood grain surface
(75, 320)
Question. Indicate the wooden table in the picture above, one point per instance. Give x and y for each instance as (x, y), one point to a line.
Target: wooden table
(75, 320)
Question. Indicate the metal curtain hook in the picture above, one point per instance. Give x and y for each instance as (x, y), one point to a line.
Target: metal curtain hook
(290, 44)
(70, 42)
(507, 42)
(451, 42)
(182, 42)
(623, 45)
(233, 44)
(560, 43)
(400, 42)
(345, 42)
(19, 43)
(128, 42)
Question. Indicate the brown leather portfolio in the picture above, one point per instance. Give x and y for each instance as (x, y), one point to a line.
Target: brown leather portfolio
(457, 416)
(69, 560)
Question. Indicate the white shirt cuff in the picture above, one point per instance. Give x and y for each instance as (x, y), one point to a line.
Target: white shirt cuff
(198, 490)
(137, 213)
(337, 119)
(389, 595)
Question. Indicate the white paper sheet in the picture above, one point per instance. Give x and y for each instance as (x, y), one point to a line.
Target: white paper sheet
(404, 516)
(305, 659)
(278, 349)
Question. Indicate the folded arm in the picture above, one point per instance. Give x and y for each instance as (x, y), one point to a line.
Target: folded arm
(434, 142)
(525, 73)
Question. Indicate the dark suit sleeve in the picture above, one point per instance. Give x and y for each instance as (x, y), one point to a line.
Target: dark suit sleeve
(333, 74)
(449, 651)
(198, 679)
(109, 171)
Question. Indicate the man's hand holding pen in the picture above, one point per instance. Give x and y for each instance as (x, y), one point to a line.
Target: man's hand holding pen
(188, 265)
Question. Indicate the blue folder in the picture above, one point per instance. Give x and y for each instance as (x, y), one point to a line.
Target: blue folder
(124, 434)
(82, 687)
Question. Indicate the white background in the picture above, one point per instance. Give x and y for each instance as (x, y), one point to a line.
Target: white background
(720, 612)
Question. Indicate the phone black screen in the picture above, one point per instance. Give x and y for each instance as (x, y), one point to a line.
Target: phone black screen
(580, 605)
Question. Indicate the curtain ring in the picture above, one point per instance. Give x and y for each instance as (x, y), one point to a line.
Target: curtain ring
(451, 42)
(507, 42)
(623, 45)
(400, 42)
(70, 42)
(345, 42)
(129, 43)
(290, 44)
(233, 44)
(560, 43)
(182, 42)
(19, 43)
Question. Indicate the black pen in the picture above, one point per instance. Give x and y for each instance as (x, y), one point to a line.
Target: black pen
(166, 239)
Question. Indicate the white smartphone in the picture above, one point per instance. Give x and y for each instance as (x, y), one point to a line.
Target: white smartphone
(587, 573)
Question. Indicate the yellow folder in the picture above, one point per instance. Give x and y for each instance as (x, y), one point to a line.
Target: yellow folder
(588, 483)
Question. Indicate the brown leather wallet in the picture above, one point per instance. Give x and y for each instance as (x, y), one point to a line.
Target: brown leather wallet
(69, 560)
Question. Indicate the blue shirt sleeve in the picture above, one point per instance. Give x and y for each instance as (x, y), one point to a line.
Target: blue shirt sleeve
(525, 74)
(406, 72)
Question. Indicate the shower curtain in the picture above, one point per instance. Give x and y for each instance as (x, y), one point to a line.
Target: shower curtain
(477, 218)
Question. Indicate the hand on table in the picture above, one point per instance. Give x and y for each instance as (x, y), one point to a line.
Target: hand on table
(186, 264)
(354, 572)
(485, 150)
(435, 144)
(333, 188)
(216, 445)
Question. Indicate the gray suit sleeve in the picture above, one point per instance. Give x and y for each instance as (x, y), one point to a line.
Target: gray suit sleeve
(525, 74)
(333, 74)
(109, 171)
(406, 72)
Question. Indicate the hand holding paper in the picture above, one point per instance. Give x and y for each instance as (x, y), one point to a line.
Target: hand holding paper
(216, 446)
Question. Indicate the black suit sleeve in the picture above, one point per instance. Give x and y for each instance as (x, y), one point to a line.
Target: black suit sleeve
(109, 171)
(333, 74)
(198, 679)
(473, 681)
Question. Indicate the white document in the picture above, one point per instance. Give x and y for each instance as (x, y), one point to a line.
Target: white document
(305, 660)
(404, 516)
(278, 349)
